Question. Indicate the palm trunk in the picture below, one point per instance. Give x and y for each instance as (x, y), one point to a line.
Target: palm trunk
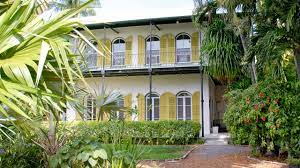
(51, 133)
(252, 65)
(297, 60)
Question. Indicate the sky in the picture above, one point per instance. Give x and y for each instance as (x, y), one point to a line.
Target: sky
(118, 10)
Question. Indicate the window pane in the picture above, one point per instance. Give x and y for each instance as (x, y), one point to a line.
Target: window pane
(156, 109)
(187, 101)
(180, 108)
(183, 48)
(121, 116)
(188, 113)
(118, 53)
(148, 109)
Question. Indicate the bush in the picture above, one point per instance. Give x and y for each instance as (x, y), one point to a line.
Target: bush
(154, 132)
(267, 116)
(21, 153)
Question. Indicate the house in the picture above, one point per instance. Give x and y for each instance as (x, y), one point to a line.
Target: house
(173, 44)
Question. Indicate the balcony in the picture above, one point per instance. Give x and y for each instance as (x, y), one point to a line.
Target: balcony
(181, 61)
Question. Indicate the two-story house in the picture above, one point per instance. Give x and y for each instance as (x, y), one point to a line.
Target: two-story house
(169, 49)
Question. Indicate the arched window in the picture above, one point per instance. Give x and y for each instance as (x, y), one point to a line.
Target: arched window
(184, 106)
(120, 114)
(91, 55)
(154, 44)
(183, 48)
(152, 107)
(90, 105)
(118, 52)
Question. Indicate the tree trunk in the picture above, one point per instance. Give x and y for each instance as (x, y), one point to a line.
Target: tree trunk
(51, 133)
(252, 65)
(297, 60)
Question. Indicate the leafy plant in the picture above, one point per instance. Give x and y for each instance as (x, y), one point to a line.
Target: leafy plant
(266, 116)
(158, 132)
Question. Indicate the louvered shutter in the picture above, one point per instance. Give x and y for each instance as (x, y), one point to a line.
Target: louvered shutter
(195, 47)
(128, 52)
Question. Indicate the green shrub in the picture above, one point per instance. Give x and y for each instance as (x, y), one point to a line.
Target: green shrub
(147, 132)
(267, 116)
(21, 153)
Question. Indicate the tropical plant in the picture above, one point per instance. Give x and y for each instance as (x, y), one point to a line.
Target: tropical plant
(223, 50)
(39, 70)
(60, 5)
(207, 13)
(266, 116)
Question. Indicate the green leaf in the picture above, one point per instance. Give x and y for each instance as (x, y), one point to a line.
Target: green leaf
(100, 153)
(92, 162)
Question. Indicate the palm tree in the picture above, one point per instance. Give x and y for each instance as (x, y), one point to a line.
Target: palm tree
(220, 46)
(276, 31)
(204, 16)
(59, 5)
(38, 70)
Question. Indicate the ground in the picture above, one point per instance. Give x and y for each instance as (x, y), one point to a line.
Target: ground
(163, 152)
(217, 156)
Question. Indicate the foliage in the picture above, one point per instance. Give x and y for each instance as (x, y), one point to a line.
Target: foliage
(157, 132)
(223, 50)
(39, 69)
(59, 5)
(266, 116)
(21, 153)
(80, 153)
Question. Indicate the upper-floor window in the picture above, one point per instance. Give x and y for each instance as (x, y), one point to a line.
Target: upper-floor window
(90, 104)
(184, 106)
(152, 107)
(183, 48)
(153, 45)
(118, 52)
(90, 55)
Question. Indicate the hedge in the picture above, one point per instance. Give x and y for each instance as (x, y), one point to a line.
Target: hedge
(146, 132)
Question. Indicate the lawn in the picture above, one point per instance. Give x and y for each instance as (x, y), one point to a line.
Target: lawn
(162, 152)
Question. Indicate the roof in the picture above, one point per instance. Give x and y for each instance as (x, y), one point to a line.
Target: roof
(141, 22)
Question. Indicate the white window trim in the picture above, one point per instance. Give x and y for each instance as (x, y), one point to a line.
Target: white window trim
(184, 106)
(148, 50)
(113, 52)
(176, 47)
(152, 113)
(92, 114)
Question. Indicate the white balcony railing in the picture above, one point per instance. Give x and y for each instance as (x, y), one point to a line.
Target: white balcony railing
(118, 59)
(122, 60)
(183, 55)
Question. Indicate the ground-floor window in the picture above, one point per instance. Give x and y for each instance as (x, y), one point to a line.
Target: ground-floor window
(120, 113)
(152, 107)
(90, 105)
(184, 106)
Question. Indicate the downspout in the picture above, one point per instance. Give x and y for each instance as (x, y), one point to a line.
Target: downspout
(201, 78)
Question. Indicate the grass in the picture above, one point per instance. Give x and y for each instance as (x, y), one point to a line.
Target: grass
(162, 152)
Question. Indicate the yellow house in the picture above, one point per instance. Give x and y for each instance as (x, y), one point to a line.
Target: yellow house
(167, 48)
